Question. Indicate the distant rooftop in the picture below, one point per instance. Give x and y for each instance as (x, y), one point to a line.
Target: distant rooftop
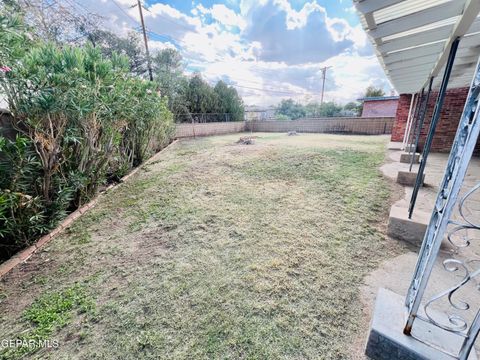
(378, 98)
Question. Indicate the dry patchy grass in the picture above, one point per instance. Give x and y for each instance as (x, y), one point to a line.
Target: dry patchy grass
(218, 250)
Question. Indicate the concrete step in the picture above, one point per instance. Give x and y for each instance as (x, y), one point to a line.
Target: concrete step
(386, 340)
(394, 145)
(408, 178)
(400, 227)
(410, 148)
(405, 157)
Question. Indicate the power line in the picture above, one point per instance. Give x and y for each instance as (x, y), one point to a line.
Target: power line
(144, 29)
(139, 24)
(127, 14)
(268, 90)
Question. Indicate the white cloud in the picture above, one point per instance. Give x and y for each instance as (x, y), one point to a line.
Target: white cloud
(223, 15)
(350, 9)
(298, 19)
(269, 50)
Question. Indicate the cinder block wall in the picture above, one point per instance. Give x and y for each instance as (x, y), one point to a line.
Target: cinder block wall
(446, 127)
(213, 128)
(367, 126)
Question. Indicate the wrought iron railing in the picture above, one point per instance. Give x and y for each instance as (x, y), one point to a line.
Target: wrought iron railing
(459, 236)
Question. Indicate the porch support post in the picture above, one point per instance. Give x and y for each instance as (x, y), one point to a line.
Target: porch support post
(419, 124)
(408, 125)
(416, 114)
(433, 125)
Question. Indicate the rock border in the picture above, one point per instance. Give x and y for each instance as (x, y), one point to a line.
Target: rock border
(25, 254)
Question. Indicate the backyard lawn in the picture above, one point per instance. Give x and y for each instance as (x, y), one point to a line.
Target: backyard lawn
(214, 250)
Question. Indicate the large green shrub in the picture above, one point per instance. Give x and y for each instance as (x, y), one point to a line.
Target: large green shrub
(81, 119)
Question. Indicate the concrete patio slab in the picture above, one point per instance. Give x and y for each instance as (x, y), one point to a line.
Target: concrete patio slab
(395, 274)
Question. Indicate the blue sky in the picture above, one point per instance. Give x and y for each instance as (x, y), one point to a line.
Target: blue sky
(267, 49)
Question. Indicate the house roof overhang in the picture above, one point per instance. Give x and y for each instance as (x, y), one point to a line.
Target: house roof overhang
(412, 39)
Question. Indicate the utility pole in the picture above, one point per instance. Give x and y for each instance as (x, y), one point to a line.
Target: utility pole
(149, 65)
(324, 75)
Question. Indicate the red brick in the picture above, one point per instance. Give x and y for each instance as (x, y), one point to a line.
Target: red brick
(447, 125)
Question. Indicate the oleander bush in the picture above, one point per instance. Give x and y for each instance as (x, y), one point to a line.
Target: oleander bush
(81, 119)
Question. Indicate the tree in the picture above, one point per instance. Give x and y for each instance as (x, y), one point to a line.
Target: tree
(291, 109)
(130, 47)
(330, 109)
(168, 68)
(228, 101)
(75, 130)
(167, 61)
(372, 91)
(56, 21)
(354, 107)
(13, 37)
(327, 109)
(200, 96)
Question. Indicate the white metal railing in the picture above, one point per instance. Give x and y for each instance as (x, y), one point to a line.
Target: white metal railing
(447, 200)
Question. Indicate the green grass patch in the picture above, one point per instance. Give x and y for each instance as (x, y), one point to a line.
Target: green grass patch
(49, 313)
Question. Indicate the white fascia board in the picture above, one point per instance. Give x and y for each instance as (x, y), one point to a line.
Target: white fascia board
(408, 77)
(441, 33)
(369, 6)
(422, 60)
(407, 89)
(462, 81)
(414, 74)
(397, 78)
(469, 59)
(418, 19)
(431, 49)
(419, 68)
(469, 41)
(465, 56)
(469, 15)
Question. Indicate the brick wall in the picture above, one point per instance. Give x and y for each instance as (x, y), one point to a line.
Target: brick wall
(447, 125)
(401, 117)
(381, 108)
(367, 126)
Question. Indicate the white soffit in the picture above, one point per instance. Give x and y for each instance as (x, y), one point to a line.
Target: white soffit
(412, 39)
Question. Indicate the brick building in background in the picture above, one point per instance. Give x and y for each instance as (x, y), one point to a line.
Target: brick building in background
(447, 125)
(379, 106)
